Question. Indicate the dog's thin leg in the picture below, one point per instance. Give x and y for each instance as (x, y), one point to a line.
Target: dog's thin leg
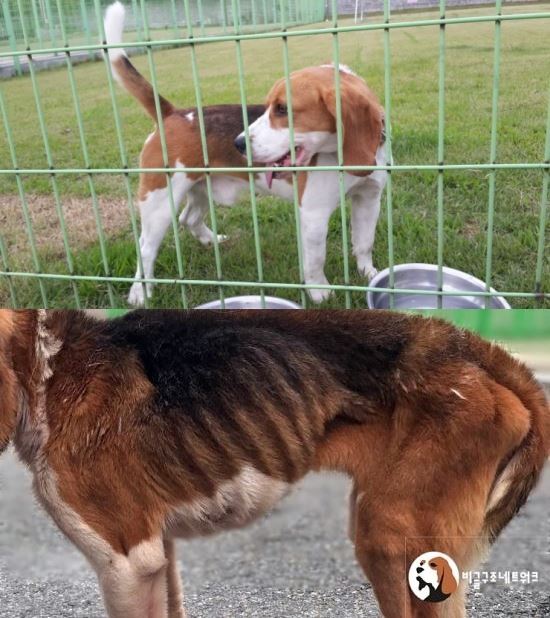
(155, 219)
(175, 590)
(364, 216)
(194, 213)
(134, 585)
(315, 213)
(387, 573)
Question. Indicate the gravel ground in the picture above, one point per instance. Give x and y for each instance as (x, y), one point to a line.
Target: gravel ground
(296, 562)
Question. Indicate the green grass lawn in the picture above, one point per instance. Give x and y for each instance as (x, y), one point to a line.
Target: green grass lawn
(523, 104)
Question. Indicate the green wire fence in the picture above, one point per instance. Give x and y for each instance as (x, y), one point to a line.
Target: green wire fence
(47, 23)
(36, 30)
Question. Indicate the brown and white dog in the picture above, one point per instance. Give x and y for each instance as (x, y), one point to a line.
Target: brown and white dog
(314, 113)
(166, 424)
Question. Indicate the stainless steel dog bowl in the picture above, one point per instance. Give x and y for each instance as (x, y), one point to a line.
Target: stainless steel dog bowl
(424, 277)
(251, 302)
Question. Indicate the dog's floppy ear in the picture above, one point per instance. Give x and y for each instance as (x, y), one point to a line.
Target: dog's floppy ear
(447, 581)
(8, 382)
(362, 121)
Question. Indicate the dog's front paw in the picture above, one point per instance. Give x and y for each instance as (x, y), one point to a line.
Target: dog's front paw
(367, 270)
(319, 296)
(136, 297)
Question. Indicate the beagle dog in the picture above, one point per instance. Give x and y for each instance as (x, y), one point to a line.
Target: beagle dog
(436, 575)
(314, 115)
(167, 424)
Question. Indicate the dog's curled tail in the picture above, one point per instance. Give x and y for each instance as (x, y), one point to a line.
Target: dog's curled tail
(523, 406)
(124, 71)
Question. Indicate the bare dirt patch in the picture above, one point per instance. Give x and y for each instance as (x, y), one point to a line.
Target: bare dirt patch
(79, 218)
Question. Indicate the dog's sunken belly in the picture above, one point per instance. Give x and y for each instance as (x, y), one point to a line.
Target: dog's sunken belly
(235, 503)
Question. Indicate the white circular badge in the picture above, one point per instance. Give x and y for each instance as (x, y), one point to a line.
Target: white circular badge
(433, 576)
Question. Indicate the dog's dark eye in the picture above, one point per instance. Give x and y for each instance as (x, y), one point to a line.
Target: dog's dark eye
(281, 110)
(433, 565)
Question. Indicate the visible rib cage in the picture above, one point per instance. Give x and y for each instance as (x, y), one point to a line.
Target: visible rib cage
(171, 423)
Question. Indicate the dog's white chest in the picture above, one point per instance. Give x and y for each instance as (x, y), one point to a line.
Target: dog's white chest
(235, 503)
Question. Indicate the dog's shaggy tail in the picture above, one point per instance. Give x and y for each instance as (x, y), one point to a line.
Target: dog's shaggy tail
(124, 71)
(522, 403)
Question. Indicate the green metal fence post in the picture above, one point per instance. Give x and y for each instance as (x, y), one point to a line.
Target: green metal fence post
(204, 146)
(543, 206)
(295, 195)
(11, 34)
(440, 154)
(340, 146)
(251, 182)
(493, 153)
(388, 145)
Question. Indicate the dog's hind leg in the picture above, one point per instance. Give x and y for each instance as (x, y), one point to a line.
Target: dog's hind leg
(136, 584)
(192, 216)
(382, 558)
(387, 543)
(175, 591)
(156, 216)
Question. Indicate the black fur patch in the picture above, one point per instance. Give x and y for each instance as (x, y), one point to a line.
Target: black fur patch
(225, 120)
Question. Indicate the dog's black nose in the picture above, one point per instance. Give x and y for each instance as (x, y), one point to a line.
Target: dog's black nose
(240, 144)
(419, 569)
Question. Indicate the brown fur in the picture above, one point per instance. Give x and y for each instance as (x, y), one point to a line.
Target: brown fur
(314, 109)
(424, 418)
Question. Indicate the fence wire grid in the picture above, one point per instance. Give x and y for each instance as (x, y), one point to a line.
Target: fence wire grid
(34, 31)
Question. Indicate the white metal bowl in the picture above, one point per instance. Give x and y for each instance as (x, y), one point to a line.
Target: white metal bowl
(251, 302)
(424, 277)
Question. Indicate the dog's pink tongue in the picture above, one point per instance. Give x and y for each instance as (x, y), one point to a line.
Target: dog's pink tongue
(269, 178)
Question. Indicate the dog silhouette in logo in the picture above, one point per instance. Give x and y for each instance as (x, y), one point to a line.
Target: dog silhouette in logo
(438, 576)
